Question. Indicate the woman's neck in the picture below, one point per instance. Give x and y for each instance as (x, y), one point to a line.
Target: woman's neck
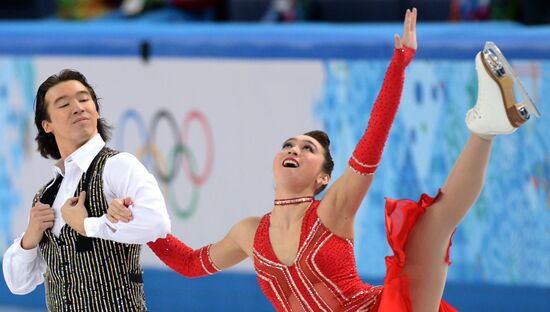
(294, 206)
(285, 193)
(288, 215)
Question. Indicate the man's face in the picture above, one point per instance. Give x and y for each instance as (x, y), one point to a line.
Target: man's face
(73, 114)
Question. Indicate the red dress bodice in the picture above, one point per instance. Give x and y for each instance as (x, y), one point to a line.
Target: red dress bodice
(323, 276)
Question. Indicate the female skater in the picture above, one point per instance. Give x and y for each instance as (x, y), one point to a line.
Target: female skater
(303, 249)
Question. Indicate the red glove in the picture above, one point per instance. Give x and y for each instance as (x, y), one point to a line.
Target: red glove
(368, 152)
(182, 258)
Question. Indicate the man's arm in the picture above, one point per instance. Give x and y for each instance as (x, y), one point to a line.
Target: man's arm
(124, 176)
(23, 268)
(22, 264)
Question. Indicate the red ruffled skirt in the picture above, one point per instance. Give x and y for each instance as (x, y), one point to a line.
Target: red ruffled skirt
(401, 216)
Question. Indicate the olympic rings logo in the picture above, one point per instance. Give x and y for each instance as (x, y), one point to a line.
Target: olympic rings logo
(181, 154)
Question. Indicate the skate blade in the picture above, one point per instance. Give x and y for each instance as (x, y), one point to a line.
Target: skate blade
(516, 113)
(501, 67)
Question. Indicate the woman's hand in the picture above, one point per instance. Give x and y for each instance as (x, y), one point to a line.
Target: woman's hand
(409, 31)
(119, 210)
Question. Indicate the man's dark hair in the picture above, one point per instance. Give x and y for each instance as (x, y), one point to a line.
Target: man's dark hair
(47, 146)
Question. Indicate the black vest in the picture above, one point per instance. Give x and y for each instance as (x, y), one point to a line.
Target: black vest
(90, 274)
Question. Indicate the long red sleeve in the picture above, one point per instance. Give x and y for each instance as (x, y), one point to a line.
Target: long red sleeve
(182, 258)
(368, 152)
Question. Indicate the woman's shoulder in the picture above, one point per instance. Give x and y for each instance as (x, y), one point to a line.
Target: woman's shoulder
(251, 221)
(247, 225)
(244, 232)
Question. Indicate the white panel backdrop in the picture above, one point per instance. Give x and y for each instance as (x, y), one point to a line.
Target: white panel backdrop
(251, 107)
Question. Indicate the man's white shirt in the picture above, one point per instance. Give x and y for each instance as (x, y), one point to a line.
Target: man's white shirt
(123, 176)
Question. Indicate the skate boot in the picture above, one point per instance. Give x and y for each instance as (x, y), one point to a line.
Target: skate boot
(496, 110)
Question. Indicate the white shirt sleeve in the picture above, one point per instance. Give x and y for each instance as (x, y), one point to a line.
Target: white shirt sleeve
(125, 176)
(23, 269)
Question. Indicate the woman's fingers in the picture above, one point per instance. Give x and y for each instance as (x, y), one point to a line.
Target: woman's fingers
(408, 37)
(407, 23)
(118, 211)
(111, 218)
(397, 39)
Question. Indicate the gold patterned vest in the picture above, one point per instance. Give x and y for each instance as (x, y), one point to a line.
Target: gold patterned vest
(90, 274)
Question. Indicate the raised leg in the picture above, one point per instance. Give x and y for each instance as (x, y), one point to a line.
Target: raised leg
(429, 239)
(496, 112)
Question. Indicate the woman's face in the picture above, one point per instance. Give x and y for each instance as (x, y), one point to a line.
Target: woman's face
(299, 163)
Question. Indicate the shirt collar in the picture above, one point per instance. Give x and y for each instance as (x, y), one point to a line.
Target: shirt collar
(83, 156)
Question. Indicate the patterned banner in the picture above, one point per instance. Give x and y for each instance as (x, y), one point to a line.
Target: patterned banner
(505, 236)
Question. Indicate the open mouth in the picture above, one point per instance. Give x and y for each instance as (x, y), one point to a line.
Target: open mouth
(290, 163)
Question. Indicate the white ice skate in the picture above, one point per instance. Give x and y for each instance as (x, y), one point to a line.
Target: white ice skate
(496, 110)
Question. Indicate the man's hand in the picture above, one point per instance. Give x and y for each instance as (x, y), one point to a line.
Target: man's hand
(74, 212)
(41, 218)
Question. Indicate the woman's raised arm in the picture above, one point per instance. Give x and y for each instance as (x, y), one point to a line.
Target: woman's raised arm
(343, 198)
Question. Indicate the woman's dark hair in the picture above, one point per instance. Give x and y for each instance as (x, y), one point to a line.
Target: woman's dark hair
(47, 146)
(328, 164)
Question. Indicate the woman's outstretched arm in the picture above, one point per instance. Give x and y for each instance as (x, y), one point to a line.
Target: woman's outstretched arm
(189, 262)
(209, 259)
(343, 198)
